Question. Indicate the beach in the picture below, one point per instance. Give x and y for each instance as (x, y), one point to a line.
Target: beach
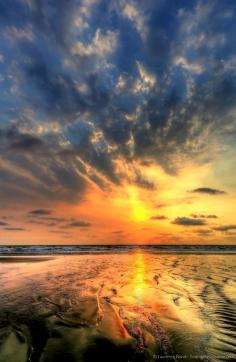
(129, 306)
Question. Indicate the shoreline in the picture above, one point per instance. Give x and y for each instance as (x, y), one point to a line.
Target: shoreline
(48, 250)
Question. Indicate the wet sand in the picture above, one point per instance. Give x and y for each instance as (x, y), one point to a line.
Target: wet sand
(23, 259)
(118, 307)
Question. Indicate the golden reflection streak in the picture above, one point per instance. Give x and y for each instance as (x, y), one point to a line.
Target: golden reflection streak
(139, 277)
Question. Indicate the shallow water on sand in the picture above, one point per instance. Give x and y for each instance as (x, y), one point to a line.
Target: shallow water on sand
(118, 307)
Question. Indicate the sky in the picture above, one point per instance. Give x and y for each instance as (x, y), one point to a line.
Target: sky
(117, 122)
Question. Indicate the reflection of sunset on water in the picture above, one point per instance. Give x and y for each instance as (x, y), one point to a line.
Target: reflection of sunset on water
(139, 277)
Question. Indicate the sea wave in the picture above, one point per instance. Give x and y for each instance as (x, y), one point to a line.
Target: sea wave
(103, 249)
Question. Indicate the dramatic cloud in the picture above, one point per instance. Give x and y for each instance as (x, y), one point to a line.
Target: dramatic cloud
(143, 182)
(188, 221)
(209, 191)
(17, 141)
(106, 97)
(101, 45)
(84, 93)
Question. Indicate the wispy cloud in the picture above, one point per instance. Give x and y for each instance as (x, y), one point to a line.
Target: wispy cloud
(186, 221)
(78, 224)
(3, 223)
(208, 190)
(204, 216)
(158, 217)
(225, 228)
(40, 212)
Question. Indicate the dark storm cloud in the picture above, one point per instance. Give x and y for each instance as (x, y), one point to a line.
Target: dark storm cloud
(225, 228)
(15, 140)
(52, 174)
(117, 131)
(123, 81)
(186, 221)
(54, 91)
(27, 143)
(208, 190)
